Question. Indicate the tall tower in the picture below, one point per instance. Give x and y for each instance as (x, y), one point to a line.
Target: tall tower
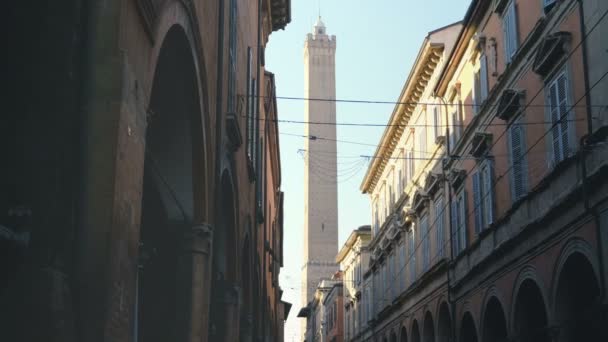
(320, 172)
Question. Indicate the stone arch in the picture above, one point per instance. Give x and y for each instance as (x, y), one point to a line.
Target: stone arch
(403, 334)
(529, 315)
(172, 195)
(177, 14)
(574, 245)
(493, 323)
(494, 300)
(393, 336)
(444, 322)
(428, 330)
(415, 331)
(577, 296)
(468, 330)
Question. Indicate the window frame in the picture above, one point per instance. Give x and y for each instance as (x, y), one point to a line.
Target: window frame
(521, 164)
(510, 46)
(483, 195)
(570, 134)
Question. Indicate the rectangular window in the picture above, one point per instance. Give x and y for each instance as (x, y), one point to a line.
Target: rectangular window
(411, 167)
(517, 151)
(426, 242)
(401, 266)
(412, 250)
(476, 92)
(440, 231)
(509, 27)
(422, 151)
(560, 116)
(459, 220)
(436, 121)
(483, 77)
(483, 196)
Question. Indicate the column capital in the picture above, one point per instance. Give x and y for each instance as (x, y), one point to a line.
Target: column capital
(198, 238)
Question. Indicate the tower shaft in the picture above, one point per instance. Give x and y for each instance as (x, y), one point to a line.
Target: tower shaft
(320, 173)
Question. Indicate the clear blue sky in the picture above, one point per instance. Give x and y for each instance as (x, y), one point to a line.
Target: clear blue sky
(377, 42)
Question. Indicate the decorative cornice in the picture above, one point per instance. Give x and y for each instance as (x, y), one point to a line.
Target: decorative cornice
(423, 69)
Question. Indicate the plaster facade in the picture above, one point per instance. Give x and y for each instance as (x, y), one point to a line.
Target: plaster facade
(513, 251)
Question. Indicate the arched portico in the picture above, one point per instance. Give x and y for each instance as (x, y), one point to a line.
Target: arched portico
(529, 316)
(170, 285)
(444, 323)
(468, 332)
(415, 332)
(577, 300)
(428, 332)
(494, 324)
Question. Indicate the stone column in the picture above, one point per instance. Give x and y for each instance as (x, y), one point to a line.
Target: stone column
(232, 301)
(197, 255)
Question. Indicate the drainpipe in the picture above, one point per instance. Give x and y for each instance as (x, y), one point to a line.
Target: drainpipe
(584, 143)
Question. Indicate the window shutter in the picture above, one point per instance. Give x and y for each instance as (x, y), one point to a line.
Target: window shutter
(454, 224)
(453, 132)
(510, 31)
(513, 28)
(440, 230)
(562, 92)
(483, 75)
(518, 186)
(505, 31)
(436, 121)
(425, 242)
(476, 92)
(477, 202)
(488, 187)
(462, 217)
(555, 130)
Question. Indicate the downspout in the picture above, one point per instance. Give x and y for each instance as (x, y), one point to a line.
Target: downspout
(584, 143)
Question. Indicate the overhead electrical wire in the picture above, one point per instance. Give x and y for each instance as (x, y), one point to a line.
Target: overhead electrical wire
(498, 179)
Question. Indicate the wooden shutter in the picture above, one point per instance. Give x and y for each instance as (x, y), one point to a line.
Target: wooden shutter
(462, 220)
(510, 31)
(440, 234)
(436, 121)
(516, 151)
(488, 193)
(477, 202)
(558, 101)
(483, 77)
(425, 241)
(454, 224)
(476, 92)
(562, 93)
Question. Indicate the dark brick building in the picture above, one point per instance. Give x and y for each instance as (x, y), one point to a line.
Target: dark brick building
(139, 193)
